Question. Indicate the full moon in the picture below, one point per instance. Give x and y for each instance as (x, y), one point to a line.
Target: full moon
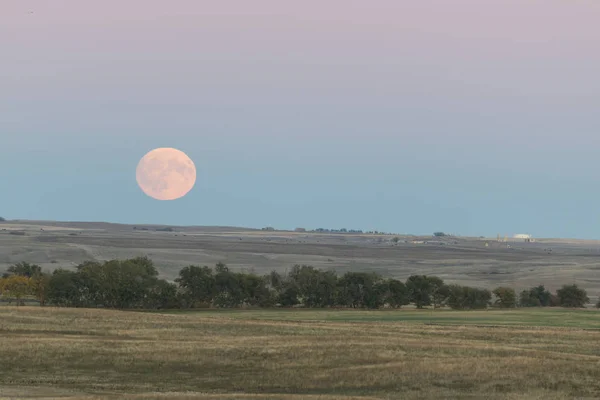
(166, 174)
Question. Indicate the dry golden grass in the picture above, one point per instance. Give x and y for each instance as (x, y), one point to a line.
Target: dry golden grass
(92, 354)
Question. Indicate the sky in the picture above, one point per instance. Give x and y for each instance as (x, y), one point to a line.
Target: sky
(469, 117)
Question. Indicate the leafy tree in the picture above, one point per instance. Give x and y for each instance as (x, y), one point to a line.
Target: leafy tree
(315, 288)
(288, 296)
(283, 290)
(254, 290)
(397, 295)
(228, 291)
(39, 287)
(361, 289)
(162, 295)
(505, 297)
(535, 297)
(147, 264)
(2, 219)
(378, 293)
(572, 296)
(15, 287)
(65, 289)
(419, 290)
(23, 269)
(126, 283)
(115, 283)
(198, 284)
(439, 291)
(465, 297)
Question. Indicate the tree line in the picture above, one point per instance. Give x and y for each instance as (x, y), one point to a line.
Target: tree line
(134, 284)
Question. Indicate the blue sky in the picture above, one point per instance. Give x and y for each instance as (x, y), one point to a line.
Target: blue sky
(469, 118)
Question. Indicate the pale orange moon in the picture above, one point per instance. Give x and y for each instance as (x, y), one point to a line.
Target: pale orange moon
(166, 174)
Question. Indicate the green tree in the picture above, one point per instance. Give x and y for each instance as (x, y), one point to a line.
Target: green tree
(397, 295)
(255, 291)
(162, 295)
(419, 290)
(65, 289)
(288, 296)
(315, 288)
(23, 269)
(505, 297)
(115, 283)
(572, 296)
(228, 290)
(361, 289)
(535, 297)
(198, 285)
(439, 291)
(465, 297)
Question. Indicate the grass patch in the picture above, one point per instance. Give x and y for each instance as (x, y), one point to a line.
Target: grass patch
(291, 354)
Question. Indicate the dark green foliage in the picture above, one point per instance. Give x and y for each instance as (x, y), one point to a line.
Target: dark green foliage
(254, 291)
(228, 290)
(315, 288)
(162, 295)
(572, 296)
(198, 285)
(505, 297)
(288, 296)
(361, 289)
(420, 290)
(283, 291)
(439, 234)
(439, 291)
(23, 269)
(535, 297)
(64, 289)
(468, 298)
(134, 283)
(114, 284)
(397, 295)
(2, 219)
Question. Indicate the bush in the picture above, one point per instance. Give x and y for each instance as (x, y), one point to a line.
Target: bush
(535, 297)
(468, 298)
(2, 219)
(572, 296)
(439, 234)
(505, 297)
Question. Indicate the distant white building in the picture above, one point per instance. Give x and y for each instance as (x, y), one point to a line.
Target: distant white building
(522, 236)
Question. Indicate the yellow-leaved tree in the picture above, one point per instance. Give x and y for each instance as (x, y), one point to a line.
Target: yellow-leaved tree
(15, 287)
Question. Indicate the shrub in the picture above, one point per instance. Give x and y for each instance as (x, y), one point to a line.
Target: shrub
(505, 297)
(572, 296)
(535, 297)
(465, 298)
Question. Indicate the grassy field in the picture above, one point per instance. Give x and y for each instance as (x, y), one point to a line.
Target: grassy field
(284, 354)
(464, 261)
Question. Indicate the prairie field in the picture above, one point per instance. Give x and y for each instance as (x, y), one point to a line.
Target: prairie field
(60, 353)
(459, 260)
